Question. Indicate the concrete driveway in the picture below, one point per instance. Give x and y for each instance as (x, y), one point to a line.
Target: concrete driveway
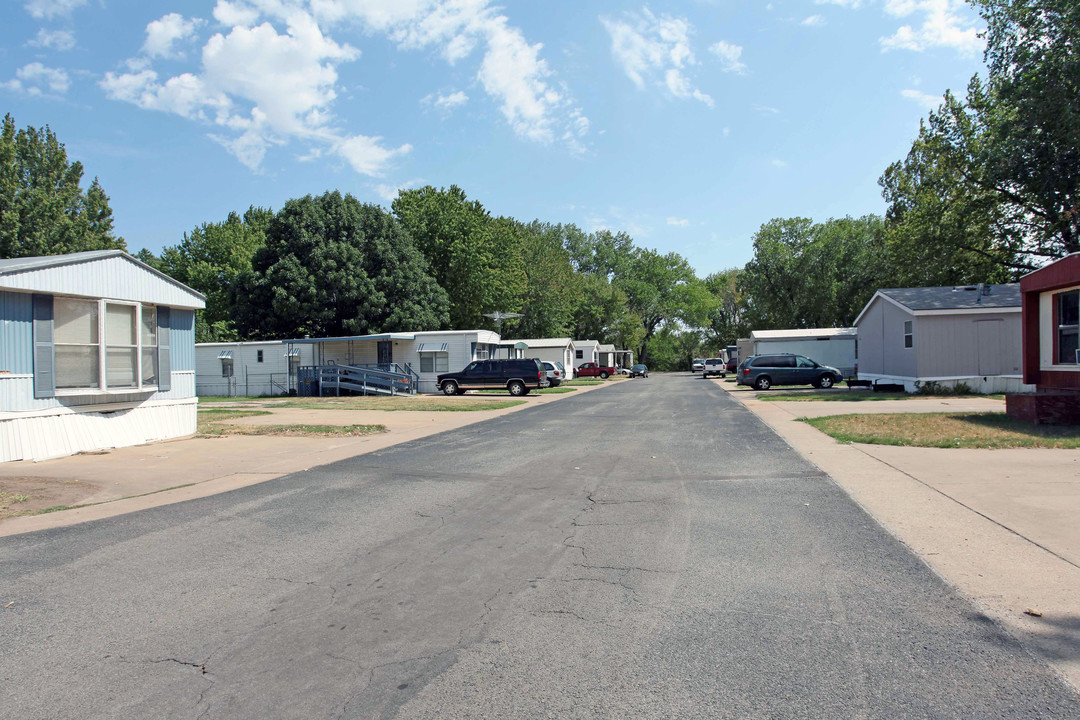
(649, 551)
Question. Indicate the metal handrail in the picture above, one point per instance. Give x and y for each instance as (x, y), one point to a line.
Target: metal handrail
(361, 378)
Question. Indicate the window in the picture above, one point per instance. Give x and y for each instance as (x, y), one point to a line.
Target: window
(258, 355)
(76, 337)
(1068, 326)
(434, 362)
(909, 334)
(805, 362)
(226, 367)
(579, 354)
(104, 345)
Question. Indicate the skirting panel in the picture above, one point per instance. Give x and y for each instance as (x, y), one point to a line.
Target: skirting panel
(50, 436)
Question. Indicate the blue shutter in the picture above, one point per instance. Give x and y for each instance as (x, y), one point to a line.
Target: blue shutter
(164, 358)
(44, 354)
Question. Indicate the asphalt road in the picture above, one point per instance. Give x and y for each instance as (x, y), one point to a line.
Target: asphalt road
(648, 550)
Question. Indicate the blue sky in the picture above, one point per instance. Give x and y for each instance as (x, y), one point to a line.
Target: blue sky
(687, 124)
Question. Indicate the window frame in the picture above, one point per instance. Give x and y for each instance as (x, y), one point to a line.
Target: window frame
(258, 356)
(433, 356)
(1060, 327)
(102, 344)
(909, 334)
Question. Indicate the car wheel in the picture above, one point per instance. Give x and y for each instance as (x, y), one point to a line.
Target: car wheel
(603, 376)
(825, 382)
(450, 388)
(517, 388)
(763, 382)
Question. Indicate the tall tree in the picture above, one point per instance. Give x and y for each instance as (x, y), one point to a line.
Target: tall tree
(332, 266)
(549, 298)
(728, 321)
(994, 179)
(210, 259)
(475, 258)
(43, 210)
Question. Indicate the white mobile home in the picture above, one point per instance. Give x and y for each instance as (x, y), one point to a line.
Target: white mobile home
(550, 350)
(259, 368)
(835, 347)
(586, 351)
(945, 335)
(425, 355)
(97, 350)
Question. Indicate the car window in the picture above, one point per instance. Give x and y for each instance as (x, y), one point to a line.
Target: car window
(806, 362)
(472, 367)
(785, 361)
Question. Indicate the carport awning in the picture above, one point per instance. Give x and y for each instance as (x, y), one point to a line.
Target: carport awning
(433, 347)
(225, 355)
(293, 352)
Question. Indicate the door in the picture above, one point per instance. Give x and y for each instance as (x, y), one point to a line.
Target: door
(989, 332)
(805, 371)
(476, 374)
(386, 354)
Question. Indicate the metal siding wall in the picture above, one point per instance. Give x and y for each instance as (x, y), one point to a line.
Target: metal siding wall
(17, 394)
(182, 340)
(115, 278)
(897, 359)
(950, 344)
(16, 332)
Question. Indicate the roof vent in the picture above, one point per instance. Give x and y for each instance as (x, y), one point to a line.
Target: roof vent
(986, 288)
(964, 288)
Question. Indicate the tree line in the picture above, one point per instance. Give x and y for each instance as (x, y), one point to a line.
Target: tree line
(989, 190)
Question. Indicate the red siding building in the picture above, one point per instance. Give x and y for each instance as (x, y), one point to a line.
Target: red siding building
(1050, 300)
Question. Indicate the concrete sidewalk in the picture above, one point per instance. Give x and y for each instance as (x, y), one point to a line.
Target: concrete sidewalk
(1003, 526)
(135, 478)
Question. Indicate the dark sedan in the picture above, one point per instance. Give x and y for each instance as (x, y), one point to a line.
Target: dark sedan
(639, 370)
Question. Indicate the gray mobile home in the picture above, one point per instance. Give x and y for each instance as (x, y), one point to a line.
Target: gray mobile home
(944, 335)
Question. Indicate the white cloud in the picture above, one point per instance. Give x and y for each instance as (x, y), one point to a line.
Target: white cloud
(928, 101)
(678, 222)
(389, 192)
(777, 162)
(446, 102)
(61, 40)
(49, 9)
(813, 21)
(853, 4)
(259, 87)
(161, 34)
(37, 79)
(727, 132)
(729, 55)
(656, 48)
(945, 23)
(766, 110)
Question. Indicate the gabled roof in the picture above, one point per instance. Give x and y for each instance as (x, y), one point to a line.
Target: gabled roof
(949, 299)
(807, 333)
(115, 275)
(606, 348)
(544, 342)
(961, 297)
(583, 343)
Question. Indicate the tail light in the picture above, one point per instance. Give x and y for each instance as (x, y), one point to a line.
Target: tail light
(539, 376)
(746, 371)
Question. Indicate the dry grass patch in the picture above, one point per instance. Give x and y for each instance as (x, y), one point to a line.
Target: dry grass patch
(859, 396)
(421, 403)
(946, 430)
(219, 430)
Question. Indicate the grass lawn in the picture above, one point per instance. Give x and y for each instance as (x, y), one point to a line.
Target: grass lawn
(235, 398)
(584, 381)
(211, 424)
(946, 430)
(858, 396)
(423, 403)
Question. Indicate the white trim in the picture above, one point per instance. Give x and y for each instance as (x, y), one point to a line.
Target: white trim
(12, 376)
(104, 408)
(883, 296)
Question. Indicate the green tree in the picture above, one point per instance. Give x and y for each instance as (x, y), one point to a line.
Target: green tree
(663, 289)
(210, 259)
(332, 266)
(474, 257)
(43, 210)
(992, 182)
(549, 298)
(727, 322)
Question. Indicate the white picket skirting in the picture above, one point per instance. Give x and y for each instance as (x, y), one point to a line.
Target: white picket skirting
(69, 430)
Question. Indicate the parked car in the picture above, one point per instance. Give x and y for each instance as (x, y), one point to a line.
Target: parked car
(764, 371)
(714, 366)
(591, 369)
(554, 374)
(699, 365)
(733, 364)
(639, 370)
(517, 377)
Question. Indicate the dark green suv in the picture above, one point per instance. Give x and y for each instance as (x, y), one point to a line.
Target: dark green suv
(517, 377)
(764, 371)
